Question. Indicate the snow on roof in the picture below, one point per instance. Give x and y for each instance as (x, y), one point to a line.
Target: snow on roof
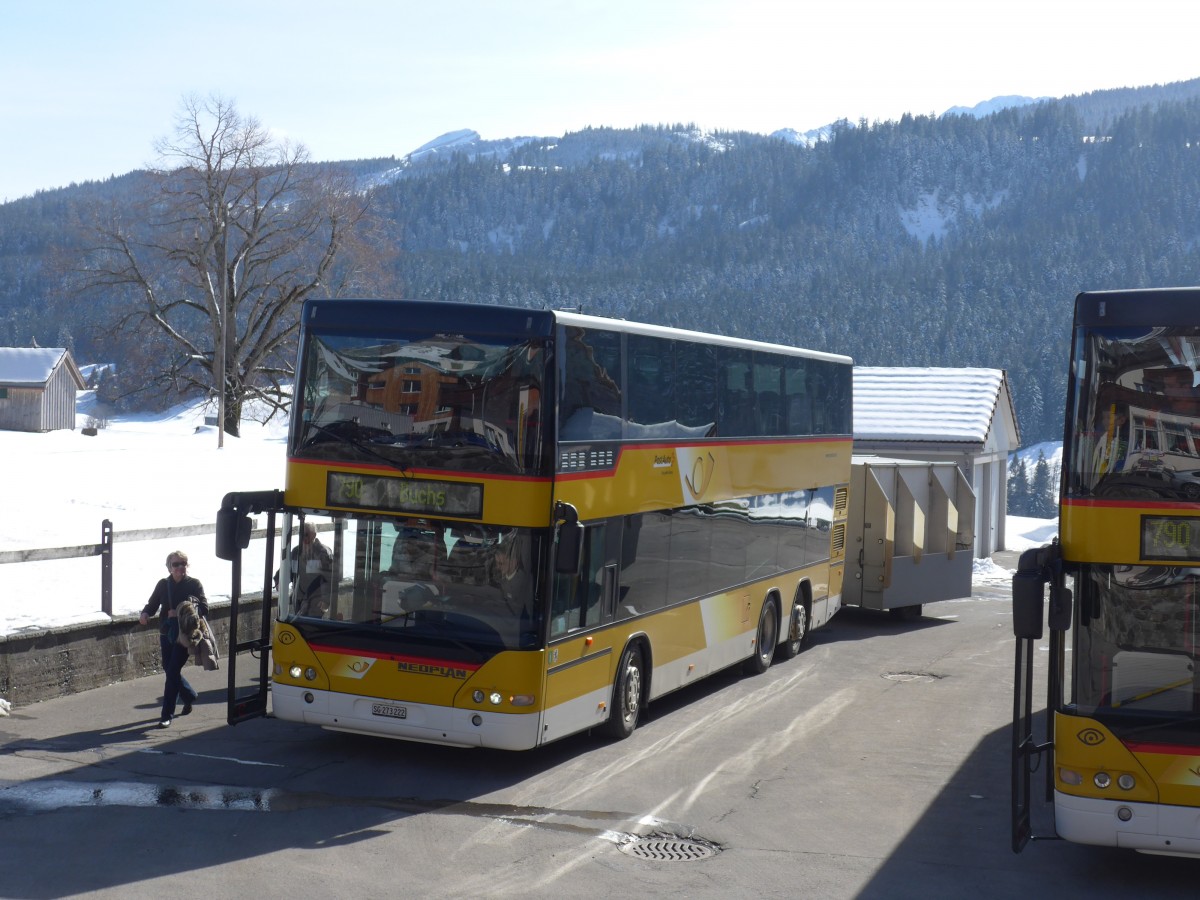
(925, 404)
(29, 365)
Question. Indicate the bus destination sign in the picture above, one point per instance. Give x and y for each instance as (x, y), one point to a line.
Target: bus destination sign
(404, 495)
(1170, 538)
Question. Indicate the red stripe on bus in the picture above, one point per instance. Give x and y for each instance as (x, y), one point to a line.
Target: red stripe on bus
(394, 657)
(1080, 503)
(1167, 749)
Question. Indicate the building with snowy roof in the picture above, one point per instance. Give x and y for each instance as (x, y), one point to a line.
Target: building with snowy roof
(37, 388)
(964, 415)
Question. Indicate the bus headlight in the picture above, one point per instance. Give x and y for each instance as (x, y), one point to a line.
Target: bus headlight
(295, 671)
(1071, 777)
(1102, 780)
(1126, 782)
(497, 698)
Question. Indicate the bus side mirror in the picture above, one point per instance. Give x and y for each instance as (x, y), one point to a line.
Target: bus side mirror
(1028, 598)
(570, 539)
(233, 533)
(1029, 594)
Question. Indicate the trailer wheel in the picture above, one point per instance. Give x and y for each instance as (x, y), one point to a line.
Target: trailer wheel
(797, 631)
(626, 696)
(765, 640)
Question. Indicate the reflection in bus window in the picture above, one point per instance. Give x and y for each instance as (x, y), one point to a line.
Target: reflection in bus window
(591, 392)
(1133, 438)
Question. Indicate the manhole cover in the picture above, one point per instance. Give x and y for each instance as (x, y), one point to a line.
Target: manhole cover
(670, 849)
(911, 676)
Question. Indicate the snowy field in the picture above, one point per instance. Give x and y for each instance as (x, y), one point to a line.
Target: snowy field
(138, 472)
(158, 472)
(1022, 533)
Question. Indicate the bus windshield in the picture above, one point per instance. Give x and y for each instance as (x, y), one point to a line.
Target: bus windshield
(1137, 417)
(419, 580)
(1136, 441)
(432, 400)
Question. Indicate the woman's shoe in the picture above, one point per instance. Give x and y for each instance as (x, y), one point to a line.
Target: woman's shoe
(165, 723)
(187, 708)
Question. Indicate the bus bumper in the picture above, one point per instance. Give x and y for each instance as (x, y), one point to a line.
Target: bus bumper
(1151, 828)
(420, 722)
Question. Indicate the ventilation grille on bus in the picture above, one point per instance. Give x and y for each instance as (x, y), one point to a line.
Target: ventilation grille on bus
(839, 538)
(841, 499)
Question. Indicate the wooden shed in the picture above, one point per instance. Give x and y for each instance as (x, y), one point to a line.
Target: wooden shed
(932, 414)
(37, 388)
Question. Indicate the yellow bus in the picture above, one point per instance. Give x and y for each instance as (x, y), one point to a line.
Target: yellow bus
(504, 526)
(1119, 743)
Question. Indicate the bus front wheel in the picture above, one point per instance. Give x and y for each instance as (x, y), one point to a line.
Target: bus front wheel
(627, 695)
(764, 641)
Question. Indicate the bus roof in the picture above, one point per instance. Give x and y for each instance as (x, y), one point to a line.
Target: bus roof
(584, 321)
(1142, 307)
(486, 319)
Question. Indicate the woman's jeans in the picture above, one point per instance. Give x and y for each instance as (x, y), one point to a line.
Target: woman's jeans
(165, 643)
(176, 685)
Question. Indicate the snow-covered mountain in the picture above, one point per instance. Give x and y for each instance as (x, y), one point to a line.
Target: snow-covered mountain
(593, 143)
(469, 141)
(805, 138)
(987, 107)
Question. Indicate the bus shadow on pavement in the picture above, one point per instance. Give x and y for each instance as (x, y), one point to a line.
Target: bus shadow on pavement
(856, 624)
(961, 845)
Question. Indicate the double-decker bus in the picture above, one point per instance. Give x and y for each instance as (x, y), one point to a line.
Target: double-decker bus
(532, 522)
(1120, 743)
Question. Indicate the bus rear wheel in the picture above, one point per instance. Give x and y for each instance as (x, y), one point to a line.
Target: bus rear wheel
(627, 695)
(764, 642)
(797, 631)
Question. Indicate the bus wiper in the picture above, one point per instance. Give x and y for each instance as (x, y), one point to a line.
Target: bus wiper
(354, 442)
(444, 631)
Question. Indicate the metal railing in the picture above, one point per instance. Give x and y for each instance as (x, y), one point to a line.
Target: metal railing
(104, 550)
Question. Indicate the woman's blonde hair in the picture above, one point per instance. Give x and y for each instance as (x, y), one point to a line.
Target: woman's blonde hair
(176, 555)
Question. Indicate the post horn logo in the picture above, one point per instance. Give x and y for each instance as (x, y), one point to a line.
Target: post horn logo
(702, 471)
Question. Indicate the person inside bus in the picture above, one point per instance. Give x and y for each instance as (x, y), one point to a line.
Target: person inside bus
(514, 583)
(418, 552)
(469, 561)
(171, 591)
(516, 591)
(312, 573)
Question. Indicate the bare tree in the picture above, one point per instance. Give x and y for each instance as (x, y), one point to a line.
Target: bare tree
(238, 230)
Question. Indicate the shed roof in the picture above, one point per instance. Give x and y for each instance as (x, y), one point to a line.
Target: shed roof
(33, 366)
(894, 403)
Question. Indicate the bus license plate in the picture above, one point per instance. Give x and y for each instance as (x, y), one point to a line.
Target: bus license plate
(392, 712)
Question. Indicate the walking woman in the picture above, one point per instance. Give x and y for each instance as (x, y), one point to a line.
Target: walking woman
(165, 599)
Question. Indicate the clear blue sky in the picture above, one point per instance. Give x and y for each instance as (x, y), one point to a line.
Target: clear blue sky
(86, 87)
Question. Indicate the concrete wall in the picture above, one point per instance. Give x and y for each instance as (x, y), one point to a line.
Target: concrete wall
(62, 661)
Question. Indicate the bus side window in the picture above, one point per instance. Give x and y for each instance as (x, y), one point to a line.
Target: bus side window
(590, 408)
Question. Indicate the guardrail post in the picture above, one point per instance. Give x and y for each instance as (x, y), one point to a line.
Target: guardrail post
(106, 561)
